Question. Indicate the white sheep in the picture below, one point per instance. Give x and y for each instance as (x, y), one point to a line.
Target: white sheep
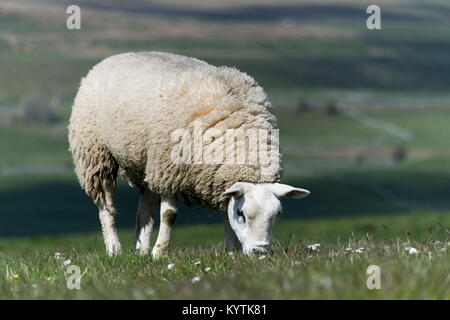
(136, 113)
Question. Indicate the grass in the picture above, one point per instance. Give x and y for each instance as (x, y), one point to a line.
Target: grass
(293, 271)
(22, 145)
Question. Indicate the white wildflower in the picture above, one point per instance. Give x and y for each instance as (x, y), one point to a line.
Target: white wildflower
(314, 247)
(262, 257)
(66, 263)
(195, 279)
(411, 250)
(170, 266)
(207, 269)
(197, 263)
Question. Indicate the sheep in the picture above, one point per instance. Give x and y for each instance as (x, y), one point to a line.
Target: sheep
(136, 113)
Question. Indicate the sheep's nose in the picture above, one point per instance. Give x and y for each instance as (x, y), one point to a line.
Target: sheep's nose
(261, 249)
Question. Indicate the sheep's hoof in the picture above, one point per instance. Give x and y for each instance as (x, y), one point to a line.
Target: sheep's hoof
(114, 249)
(159, 251)
(142, 251)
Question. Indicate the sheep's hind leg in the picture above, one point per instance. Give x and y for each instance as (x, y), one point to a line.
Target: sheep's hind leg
(107, 215)
(169, 208)
(148, 204)
(231, 241)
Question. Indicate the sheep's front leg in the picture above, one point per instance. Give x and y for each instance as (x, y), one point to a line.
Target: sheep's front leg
(169, 208)
(148, 204)
(231, 240)
(107, 215)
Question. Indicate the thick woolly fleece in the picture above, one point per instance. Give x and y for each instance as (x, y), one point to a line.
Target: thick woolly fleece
(129, 105)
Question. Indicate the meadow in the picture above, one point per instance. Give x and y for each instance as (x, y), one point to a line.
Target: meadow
(199, 268)
(363, 120)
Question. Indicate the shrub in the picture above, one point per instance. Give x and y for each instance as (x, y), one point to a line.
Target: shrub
(399, 154)
(303, 106)
(35, 109)
(331, 109)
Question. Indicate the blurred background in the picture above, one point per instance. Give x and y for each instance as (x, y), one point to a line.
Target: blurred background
(364, 114)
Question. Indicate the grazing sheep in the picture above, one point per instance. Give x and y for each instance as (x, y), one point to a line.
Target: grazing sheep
(136, 113)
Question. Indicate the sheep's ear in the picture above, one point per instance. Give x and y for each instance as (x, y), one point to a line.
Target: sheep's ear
(284, 190)
(236, 190)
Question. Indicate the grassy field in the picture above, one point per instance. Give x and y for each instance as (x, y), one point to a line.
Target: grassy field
(203, 270)
(363, 119)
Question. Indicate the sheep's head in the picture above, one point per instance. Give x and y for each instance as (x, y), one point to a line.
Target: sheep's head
(253, 209)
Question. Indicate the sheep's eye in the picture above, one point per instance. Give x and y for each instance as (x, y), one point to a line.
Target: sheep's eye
(240, 214)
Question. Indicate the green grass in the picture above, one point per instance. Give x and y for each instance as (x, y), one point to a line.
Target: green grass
(293, 271)
(23, 145)
(317, 129)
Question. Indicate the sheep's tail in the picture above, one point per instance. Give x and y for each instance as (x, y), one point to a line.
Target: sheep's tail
(95, 166)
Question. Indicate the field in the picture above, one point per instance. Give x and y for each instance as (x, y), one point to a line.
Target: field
(363, 118)
(202, 270)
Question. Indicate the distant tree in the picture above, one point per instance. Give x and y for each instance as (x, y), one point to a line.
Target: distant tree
(303, 106)
(332, 109)
(360, 159)
(399, 154)
(35, 109)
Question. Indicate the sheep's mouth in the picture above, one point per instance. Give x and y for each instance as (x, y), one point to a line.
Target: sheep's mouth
(258, 249)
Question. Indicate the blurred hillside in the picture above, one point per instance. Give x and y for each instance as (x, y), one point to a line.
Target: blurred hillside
(293, 48)
(363, 113)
